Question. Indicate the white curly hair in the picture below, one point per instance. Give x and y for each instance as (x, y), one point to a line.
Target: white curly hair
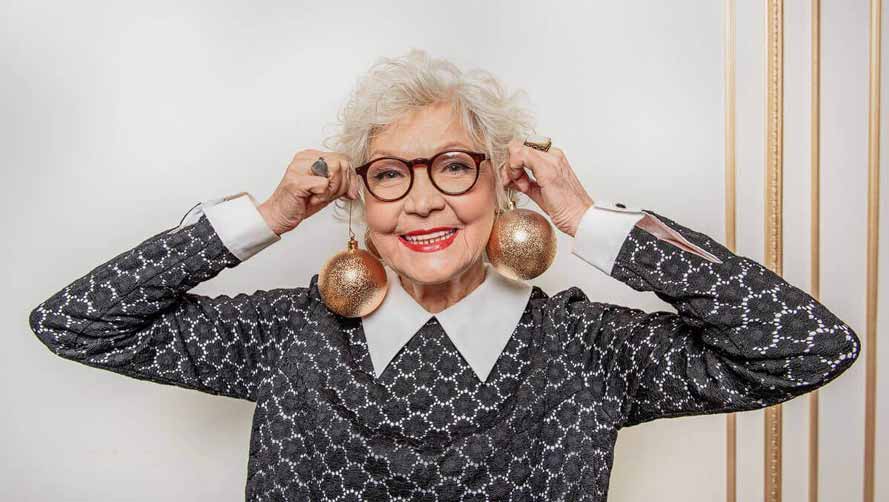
(393, 86)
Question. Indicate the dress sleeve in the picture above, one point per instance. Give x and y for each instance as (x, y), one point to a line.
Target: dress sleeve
(133, 315)
(743, 338)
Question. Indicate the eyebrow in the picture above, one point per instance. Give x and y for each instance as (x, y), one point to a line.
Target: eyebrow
(450, 144)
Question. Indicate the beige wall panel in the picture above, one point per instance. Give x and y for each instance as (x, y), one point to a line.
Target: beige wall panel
(750, 133)
(797, 216)
(844, 215)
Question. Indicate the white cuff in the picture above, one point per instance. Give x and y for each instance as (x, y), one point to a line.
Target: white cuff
(602, 231)
(605, 226)
(237, 221)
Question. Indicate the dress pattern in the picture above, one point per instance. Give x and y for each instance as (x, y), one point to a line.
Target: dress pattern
(542, 427)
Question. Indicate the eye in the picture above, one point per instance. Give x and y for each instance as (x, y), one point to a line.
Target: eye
(457, 167)
(386, 175)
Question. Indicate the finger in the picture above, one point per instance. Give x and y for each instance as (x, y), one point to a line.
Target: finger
(354, 186)
(345, 179)
(311, 185)
(317, 188)
(522, 157)
(336, 176)
(517, 160)
(303, 159)
(309, 153)
(348, 179)
(511, 175)
(523, 183)
(560, 161)
(542, 164)
(557, 153)
(530, 188)
(303, 162)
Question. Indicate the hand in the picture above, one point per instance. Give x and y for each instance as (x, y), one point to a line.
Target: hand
(555, 188)
(302, 193)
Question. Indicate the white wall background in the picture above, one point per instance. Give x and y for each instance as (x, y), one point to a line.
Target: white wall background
(118, 117)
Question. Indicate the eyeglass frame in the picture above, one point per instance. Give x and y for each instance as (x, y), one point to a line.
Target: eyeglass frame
(478, 157)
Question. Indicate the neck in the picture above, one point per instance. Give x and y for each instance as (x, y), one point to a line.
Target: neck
(437, 297)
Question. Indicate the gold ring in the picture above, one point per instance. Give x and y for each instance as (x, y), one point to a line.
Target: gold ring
(542, 143)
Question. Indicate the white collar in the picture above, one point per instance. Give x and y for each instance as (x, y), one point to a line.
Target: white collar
(479, 325)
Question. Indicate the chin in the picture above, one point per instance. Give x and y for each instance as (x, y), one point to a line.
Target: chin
(424, 273)
(431, 268)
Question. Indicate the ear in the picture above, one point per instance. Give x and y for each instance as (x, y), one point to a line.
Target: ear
(369, 244)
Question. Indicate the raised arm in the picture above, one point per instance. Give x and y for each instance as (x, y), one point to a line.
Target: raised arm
(743, 337)
(132, 315)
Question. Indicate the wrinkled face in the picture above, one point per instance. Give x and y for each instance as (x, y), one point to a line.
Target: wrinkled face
(471, 215)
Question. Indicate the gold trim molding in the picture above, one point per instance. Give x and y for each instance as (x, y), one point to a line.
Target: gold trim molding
(815, 221)
(731, 420)
(773, 241)
(873, 241)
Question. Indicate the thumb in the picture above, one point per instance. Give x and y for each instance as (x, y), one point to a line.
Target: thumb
(528, 187)
(314, 189)
(313, 185)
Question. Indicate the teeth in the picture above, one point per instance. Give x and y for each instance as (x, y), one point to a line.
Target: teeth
(433, 235)
(430, 238)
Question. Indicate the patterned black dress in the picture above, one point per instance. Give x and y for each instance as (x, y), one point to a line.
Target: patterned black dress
(542, 427)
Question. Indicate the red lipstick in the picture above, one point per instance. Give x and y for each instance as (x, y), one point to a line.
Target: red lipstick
(429, 240)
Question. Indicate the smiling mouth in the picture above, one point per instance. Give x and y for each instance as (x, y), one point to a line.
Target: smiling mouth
(429, 237)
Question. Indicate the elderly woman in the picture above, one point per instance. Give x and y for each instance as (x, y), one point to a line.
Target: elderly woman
(463, 384)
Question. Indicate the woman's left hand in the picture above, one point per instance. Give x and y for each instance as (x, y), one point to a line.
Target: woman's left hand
(555, 187)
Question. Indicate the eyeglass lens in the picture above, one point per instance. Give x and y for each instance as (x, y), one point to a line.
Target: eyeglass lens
(452, 172)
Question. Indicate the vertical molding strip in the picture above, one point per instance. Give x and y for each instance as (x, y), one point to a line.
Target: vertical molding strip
(815, 245)
(731, 422)
(773, 241)
(873, 235)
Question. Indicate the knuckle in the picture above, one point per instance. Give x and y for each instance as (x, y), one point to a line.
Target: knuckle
(335, 157)
(290, 185)
(299, 169)
(553, 161)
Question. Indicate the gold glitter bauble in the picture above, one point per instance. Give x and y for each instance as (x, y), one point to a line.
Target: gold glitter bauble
(353, 282)
(522, 244)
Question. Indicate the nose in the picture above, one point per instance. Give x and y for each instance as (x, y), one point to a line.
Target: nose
(423, 197)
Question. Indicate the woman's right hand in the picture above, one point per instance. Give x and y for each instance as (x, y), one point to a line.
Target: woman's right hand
(302, 193)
